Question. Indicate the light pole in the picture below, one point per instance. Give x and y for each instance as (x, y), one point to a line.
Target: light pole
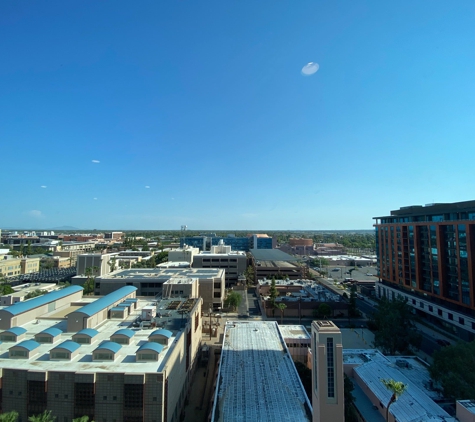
(210, 323)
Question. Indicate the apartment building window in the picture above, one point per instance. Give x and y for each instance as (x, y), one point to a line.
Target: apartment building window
(461, 321)
(439, 312)
(451, 317)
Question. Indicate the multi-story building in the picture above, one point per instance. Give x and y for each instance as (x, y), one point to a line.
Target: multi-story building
(426, 255)
(114, 235)
(99, 264)
(109, 371)
(245, 244)
(234, 263)
(11, 266)
(184, 254)
(268, 263)
(149, 282)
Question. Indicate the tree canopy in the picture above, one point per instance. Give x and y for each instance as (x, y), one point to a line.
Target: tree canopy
(454, 368)
(233, 300)
(395, 328)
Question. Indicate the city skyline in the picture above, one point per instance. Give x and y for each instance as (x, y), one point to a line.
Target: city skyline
(288, 116)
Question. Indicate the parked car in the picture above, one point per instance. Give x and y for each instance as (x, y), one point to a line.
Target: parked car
(369, 274)
(336, 269)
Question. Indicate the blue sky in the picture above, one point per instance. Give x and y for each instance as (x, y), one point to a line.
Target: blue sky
(198, 112)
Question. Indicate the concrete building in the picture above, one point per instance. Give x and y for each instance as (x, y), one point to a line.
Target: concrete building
(149, 282)
(184, 254)
(101, 262)
(114, 235)
(115, 373)
(23, 290)
(12, 266)
(268, 263)
(221, 256)
(297, 340)
(327, 373)
(425, 255)
(257, 380)
(244, 244)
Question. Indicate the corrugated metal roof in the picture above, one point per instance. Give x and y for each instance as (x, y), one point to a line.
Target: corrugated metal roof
(125, 332)
(28, 305)
(28, 345)
(162, 332)
(88, 332)
(156, 347)
(109, 345)
(68, 345)
(106, 301)
(18, 331)
(52, 331)
(118, 309)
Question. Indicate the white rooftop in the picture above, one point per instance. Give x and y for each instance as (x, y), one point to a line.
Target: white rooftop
(125, 361)
(257, 379)
(294, 332)
(413, 406)
(468, 404)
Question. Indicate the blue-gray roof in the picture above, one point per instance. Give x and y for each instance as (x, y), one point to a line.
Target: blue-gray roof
(88, 332)
(125, 332)
(22, 307)
(68, 345)
(52, 331)
(18, 331)
(156, 347)
(131, 299)
(118, 309)
(110, 345)
(124, 305)
(106, 301)
(162, 332)
(28, 345)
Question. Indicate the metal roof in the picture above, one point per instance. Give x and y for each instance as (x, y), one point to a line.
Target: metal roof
(68, 345)
(257, 379)
(125, 332)
(52, 331)
(156, 347)
(109, 345)
(162, 332)
(88, 332)
(106, 301)
(118, 309)
(18, 331)
(28, 345)
(22, 307)
(272, 255)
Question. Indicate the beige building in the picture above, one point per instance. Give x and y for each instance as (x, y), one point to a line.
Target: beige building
(30, 265)
(115, 373)
(10, 266)
(328, 399)
(234, 263)
(99, 263)
(149, 282)
(185, 254)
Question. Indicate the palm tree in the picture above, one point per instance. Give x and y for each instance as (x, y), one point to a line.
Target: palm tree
(395, 387)
(42, 417)
(9, 417)
(282, 307)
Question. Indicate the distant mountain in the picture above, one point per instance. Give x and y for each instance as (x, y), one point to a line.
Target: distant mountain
(64, 228)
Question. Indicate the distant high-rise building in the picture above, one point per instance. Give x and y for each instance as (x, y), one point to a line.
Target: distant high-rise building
(425, 255)
(244, 244)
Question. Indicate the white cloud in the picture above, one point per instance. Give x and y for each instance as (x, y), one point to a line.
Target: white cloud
(43, 186)
(310, 68)
(96, 161)
(95, 199)
(147, 187)
(35, 214)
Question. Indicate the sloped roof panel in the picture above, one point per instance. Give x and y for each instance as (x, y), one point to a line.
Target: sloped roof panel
(109, 345)
(28, 345)
(68, 345)
(106, 301)
(162, 332)
(151, 346)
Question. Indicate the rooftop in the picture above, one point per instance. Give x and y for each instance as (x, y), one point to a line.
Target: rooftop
(294, 332)
(162, 274)
(257, 379)
(171, 320)
(272, 255)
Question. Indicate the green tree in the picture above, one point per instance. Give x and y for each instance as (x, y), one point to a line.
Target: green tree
(324, 310)
(454, 368)
(350, 412)
(82, 419)
(305, 375)
(35, 293)
(397, 388)
(9, 416)
(43, 417)
(233, 300)
(282, 307)
(396, 331)
(249, 274)
(5, 288)
(273, 294)
(90, 272)
(352, 308)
